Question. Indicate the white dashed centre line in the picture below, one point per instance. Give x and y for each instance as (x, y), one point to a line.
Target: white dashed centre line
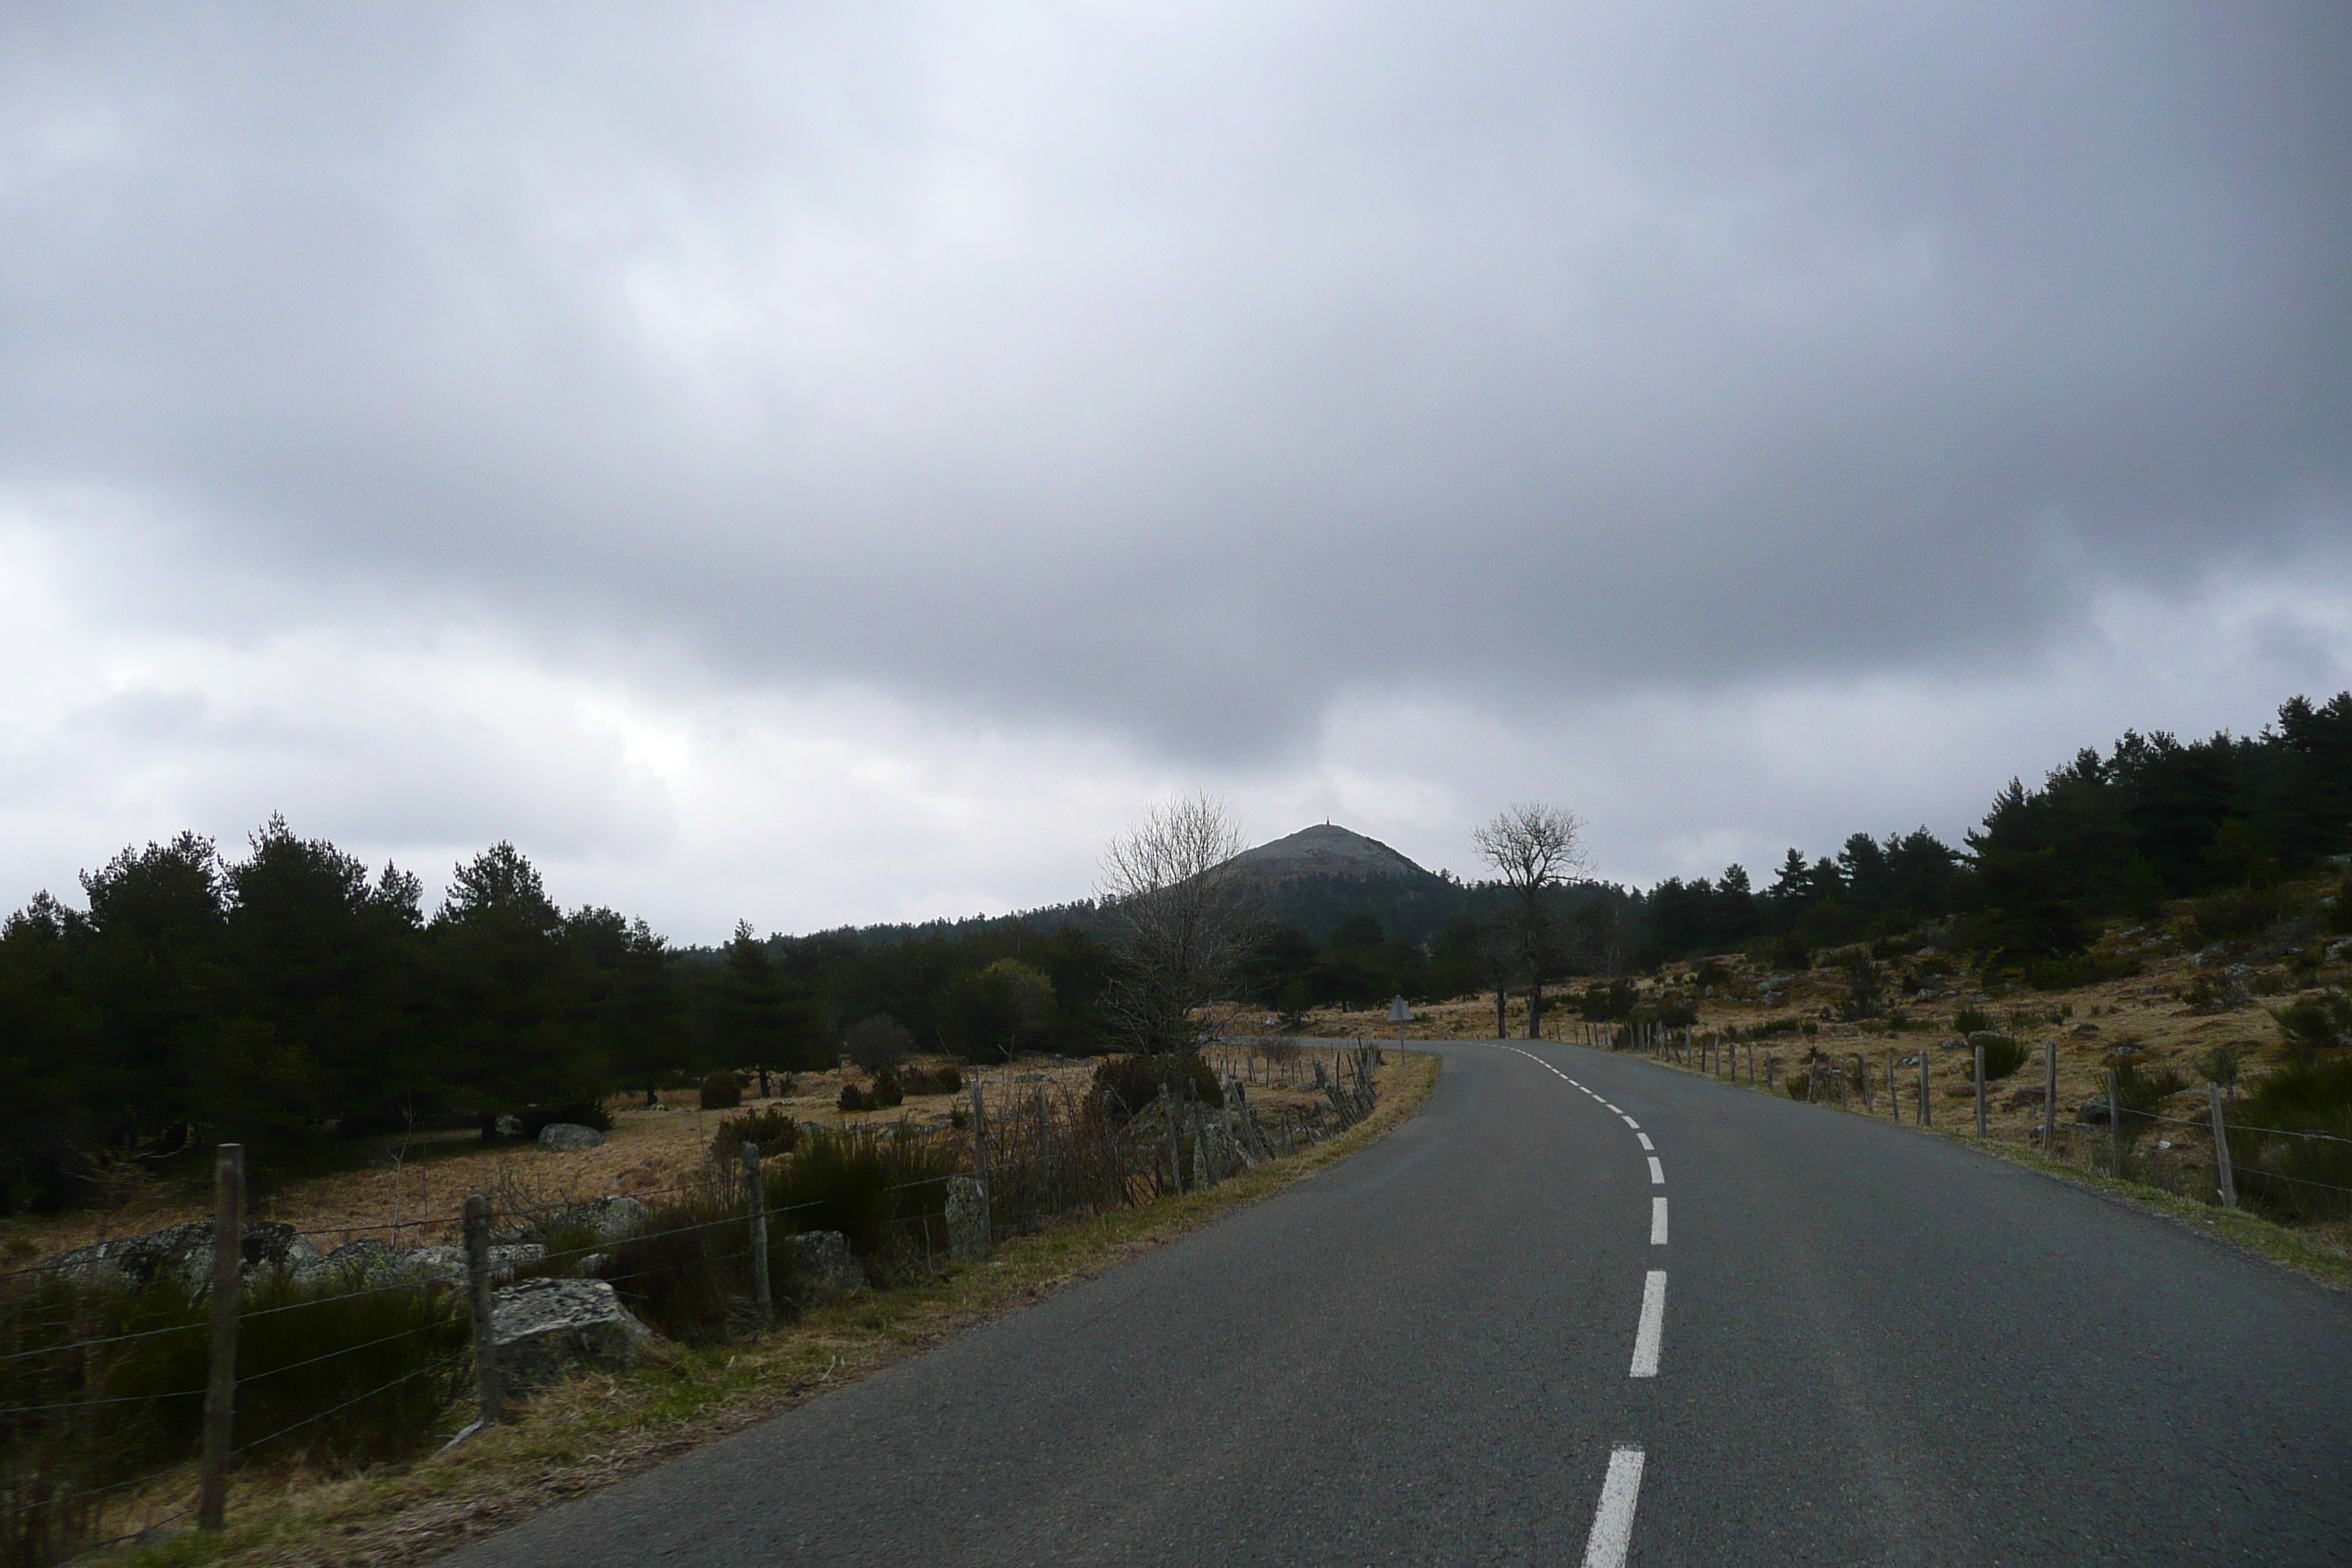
(1657, 1173)
(1653, 1325)
(1633, 1124)
(1612, 1521)
(1657, 1222)
(1645, 1139)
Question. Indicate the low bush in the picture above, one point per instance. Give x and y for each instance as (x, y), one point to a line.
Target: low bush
(2283, 1173)
(687, 1272)
(2141, 1091)
(1797, 1084)
(721, 1091)
(1790, 952)
(866, 1182)
(878, 1043)
(345, 1377)
(949, 1079)
(2076, 971)
(1606, 1003)
(1772, 1028)
(1971, 1021)
(887, 1092)
(916, 1081)
(2236, 915)
(2220, 1066)
(773, 1130)
(2315, 1024)
(2003, 1054)
(854, 1098)
(1135, 1081)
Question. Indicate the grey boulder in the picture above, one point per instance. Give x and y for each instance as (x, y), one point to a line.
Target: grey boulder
(822, 1266)
(605, 1220)
(567, 1138)
(447, 1263)
(186, 1252)
(546, 1330)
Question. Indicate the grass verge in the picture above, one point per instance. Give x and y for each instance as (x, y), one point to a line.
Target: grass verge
(599, 1429)
(2264, 1239)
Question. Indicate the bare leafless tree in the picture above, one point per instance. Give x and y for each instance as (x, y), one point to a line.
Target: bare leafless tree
(1533, 848)
(1178, 916)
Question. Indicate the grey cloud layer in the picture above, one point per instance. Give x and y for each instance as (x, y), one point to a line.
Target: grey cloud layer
(1137, 366)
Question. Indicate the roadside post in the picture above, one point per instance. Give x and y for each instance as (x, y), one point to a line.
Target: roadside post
(228, 1281)
(1399, 1013)
(488, 1404)
(755, 1197)
(2115, 1123)
(1981, 1090)
(2221, 1165)
(2050, 1097)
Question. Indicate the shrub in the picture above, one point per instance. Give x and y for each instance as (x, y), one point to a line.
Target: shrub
(773, 1130)
(886, 1092)
(2315, 1024)
(1605, 1004)
(1798, 1083)
(949, 1079)
(1790, 951)
(686, 1272)
(1971, 1021)
(2290, 1176)
(106, 1414)
(916, 1081)
(1135, 1081)
(2003, 1054)
(2072, 972)
(2233, 916)
(2220, 1066)
(721, 1091)
(853, 1098)
(878, 1043)
(864, 1181)
(2141, 1091)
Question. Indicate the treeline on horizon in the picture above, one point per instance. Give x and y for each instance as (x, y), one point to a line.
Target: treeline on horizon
(288, 997)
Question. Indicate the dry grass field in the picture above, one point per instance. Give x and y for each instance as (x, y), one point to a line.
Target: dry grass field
(412, 1192)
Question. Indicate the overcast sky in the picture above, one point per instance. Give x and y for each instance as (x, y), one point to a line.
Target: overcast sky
(828, 463)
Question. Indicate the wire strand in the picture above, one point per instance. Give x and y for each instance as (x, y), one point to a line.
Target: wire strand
(356, 1399)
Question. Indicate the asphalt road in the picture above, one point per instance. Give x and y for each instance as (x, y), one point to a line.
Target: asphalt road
(1869, 1347)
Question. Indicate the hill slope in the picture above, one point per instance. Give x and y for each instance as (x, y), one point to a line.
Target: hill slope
(1327, 850)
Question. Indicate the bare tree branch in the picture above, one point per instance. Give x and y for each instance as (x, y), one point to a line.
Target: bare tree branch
(1533, 848)
(1179, 916)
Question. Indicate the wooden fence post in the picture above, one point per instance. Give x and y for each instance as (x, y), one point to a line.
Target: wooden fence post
(2115, 1123)
(1926, 1117)
(980, 1163)
(487, 1405)
(2222, 1149)
(1981, 1090)
(1894, 1099)
(228, 1281)
(755, 1198)
(2050, 1097)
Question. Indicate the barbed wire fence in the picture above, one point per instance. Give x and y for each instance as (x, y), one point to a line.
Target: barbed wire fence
(134, 1386)
(2122, 1128)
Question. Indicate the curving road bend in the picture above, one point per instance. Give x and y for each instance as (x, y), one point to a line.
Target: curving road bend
(1582, 1310)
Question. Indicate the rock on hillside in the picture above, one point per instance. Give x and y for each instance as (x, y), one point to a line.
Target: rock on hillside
(1325, 850)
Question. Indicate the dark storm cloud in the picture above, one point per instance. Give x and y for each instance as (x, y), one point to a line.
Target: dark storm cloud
(1179, 370)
